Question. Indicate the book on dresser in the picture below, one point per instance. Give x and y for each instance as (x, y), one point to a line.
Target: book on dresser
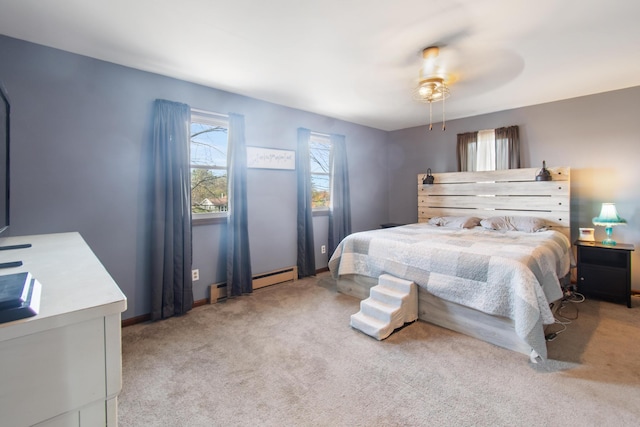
(19, 296)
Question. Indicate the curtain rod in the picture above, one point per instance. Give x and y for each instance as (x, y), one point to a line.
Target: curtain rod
(320, 134)
(209, 113)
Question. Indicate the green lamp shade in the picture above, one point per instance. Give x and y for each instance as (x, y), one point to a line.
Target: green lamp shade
(608, 218)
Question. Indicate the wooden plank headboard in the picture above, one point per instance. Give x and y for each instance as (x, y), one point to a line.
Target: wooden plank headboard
(502, 192)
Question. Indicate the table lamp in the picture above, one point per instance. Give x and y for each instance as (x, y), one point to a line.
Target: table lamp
(608, 218)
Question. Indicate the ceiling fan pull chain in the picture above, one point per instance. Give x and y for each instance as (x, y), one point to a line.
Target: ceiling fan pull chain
(430, 118)
(443, 121)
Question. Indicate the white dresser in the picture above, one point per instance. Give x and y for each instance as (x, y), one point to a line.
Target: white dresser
(62, 367)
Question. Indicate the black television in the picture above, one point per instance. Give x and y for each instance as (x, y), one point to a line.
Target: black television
(5, 114)
(5, 134)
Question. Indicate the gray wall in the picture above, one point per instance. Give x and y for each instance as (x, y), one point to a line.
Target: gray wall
(81, 130)
(597, 136)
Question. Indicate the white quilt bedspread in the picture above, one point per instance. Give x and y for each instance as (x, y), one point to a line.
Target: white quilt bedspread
(506, 273)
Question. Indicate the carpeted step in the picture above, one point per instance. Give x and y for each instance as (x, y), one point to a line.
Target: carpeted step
(393, 282)
(370, 326)
(387, 295)
(408, 301)
(391, 304)
(380, 310)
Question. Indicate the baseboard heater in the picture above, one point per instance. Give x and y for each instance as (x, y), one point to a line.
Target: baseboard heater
(219, 290)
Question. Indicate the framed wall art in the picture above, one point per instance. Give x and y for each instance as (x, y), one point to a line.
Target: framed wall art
(270, 158)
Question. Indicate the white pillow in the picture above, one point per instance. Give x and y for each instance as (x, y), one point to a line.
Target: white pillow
(528, 224)
(455, 221)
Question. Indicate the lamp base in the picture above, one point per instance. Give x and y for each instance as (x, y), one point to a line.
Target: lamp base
(609, 241)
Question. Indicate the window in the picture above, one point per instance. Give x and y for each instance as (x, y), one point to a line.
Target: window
(209, 164)
(490, 149)
(320, 158)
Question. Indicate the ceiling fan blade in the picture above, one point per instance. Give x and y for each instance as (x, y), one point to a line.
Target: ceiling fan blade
(492, 68)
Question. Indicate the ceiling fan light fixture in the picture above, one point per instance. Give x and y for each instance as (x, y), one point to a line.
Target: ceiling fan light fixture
(433, 87)
(432, 90)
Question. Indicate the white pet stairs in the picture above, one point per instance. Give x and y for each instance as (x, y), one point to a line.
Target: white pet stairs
(392, 303)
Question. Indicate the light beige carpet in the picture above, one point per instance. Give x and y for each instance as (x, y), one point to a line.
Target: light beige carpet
(286, 356)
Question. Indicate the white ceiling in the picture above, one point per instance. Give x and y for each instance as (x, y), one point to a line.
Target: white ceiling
(355, 60)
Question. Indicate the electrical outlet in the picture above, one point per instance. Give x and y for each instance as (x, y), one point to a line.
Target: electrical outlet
(195, 275)
(323, 249)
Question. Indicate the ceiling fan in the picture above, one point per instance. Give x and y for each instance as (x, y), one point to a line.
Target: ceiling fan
(473, 67)
(432, 84)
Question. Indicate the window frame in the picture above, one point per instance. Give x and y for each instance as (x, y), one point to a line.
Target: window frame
(213, 119)
(321, 138)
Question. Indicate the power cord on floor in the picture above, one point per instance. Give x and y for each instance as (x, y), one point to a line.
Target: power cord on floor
(575, 297)
(579, 298)
(553, 335)
(570, 296)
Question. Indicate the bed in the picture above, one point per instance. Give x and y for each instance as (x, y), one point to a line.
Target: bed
(498, 285)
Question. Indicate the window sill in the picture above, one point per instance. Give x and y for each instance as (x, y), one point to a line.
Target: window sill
(222, 219)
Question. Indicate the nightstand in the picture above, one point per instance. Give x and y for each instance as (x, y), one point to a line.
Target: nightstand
(604, 271)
